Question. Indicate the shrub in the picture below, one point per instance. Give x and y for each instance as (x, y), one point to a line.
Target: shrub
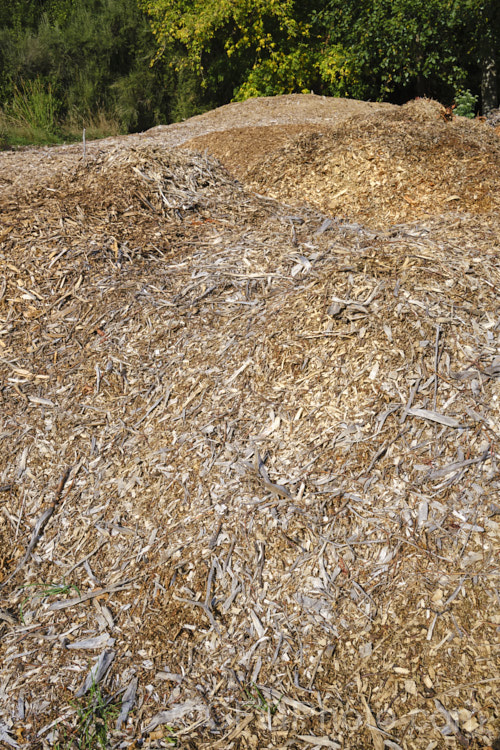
(465, 104)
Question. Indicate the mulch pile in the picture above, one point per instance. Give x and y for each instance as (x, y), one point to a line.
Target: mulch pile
(249, 456)
(382, 168)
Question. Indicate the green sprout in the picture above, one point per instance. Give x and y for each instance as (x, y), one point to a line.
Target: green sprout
(94, 715)
(256, 699)
(171, 737)
(45, 590)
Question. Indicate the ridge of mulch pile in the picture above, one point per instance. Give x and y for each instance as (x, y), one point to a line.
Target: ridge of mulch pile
(390, 167)
(248, 461)
(382, 168)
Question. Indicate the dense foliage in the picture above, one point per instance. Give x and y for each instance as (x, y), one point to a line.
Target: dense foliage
(69, 64)
(129, 64)
(369, 49)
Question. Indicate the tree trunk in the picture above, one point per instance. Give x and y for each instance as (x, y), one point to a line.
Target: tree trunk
(489, 73)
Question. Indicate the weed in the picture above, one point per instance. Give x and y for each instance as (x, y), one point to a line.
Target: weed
(465, 104)
(256, 699)
(34, 107)
(94, 715)
(170, 737)
(4, 137)
(46, 589)
(100, 124)
(52, 589)
(15, 132)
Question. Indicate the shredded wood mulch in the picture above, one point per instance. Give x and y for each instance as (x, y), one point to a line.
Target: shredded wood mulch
(249, 454)
(391, 165)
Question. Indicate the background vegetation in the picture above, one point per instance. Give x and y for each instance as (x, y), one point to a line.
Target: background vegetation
(125, 65)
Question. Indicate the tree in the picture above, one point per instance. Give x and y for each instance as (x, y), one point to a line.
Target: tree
(369, 49)
(237, 48)
(488, 14)
(26, 14)
(398, 49)
(92, 55)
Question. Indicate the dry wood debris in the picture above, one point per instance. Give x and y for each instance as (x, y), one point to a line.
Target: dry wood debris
(249, 462)
(389, 167)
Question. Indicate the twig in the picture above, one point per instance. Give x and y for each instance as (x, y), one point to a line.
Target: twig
(436, 364)
(203, 607)
(40, 526)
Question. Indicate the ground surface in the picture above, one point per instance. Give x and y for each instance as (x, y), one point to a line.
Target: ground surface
(249, 432)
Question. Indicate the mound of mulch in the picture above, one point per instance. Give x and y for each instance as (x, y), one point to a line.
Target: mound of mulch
(380, 168)
(249, 456)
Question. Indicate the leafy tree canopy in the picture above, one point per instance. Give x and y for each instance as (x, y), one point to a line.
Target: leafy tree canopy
(266, 43)
(83, 59)
(401, 48)
(370, 49)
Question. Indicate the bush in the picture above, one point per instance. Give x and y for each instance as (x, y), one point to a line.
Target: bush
(69, 64)
(34, 107)
(465, 104)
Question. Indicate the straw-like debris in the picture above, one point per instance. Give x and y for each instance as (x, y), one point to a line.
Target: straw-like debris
(390, 166)
(249, 481)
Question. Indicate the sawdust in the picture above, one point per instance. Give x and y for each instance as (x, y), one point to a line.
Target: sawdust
(254, 445)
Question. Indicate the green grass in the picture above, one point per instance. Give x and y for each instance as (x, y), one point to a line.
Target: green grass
(31, 119)
(170, 737)
(100, 124)
(52, 589)
(15, 135)
(256, 700)
(31, 115)
(34, 106)
(95, 713)
(43, 590)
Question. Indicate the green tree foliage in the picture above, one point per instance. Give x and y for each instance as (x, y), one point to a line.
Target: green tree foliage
(238, 48)
(26, 14)
(85, 59)
(370, 49)
(487, 16)
(397, 49)
(92, 55)
(391, 48)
